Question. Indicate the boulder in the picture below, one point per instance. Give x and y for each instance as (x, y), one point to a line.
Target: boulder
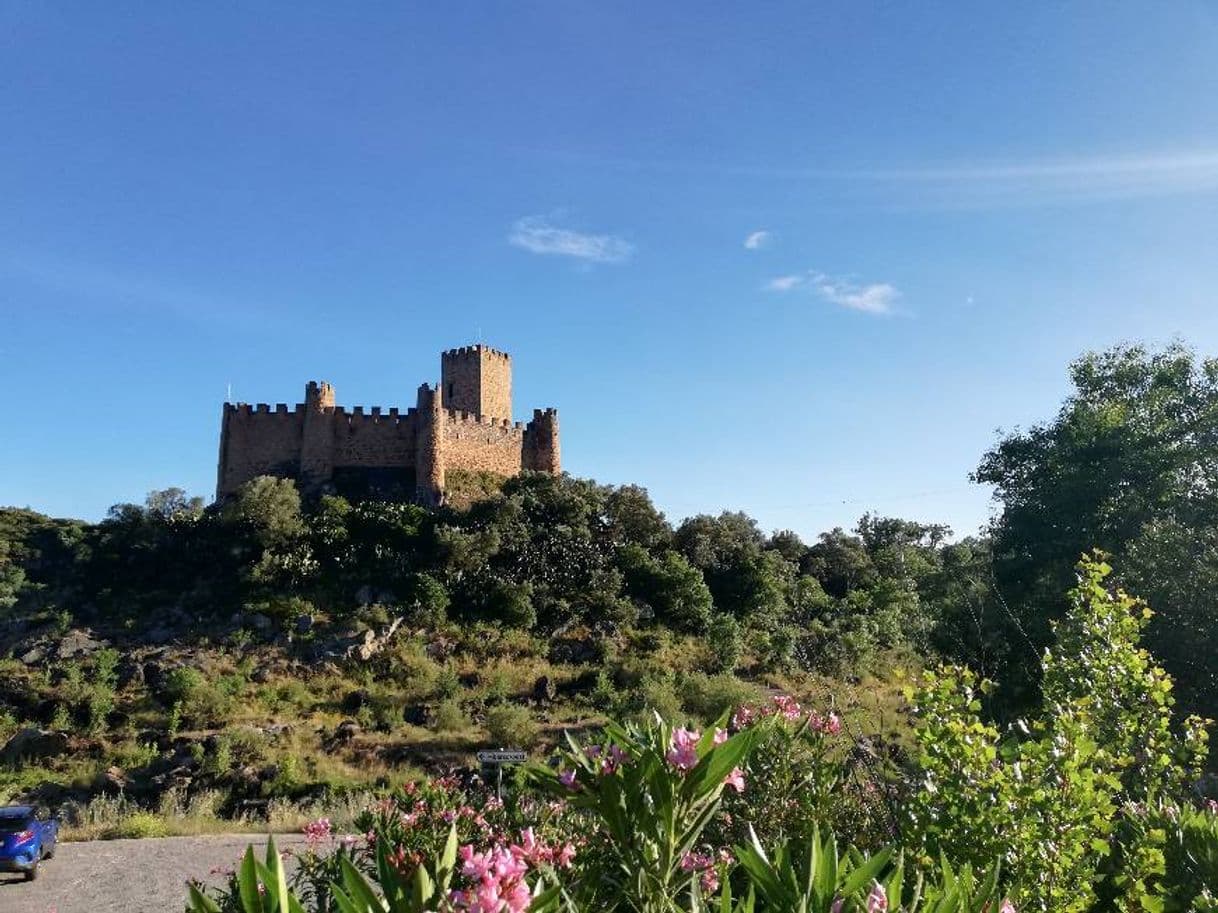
(573, 651)
(543, 690)
(346, 731)
(114, 780)
(76, 643)
(33, 743)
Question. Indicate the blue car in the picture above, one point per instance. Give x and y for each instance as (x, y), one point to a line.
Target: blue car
(25, 840)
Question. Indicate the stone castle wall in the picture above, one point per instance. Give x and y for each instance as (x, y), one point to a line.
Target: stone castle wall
(326, 447)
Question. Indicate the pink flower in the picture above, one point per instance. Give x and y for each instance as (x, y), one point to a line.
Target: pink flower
(877, 900)
(735, 780)
(683, 755)
(517, 897)
(742, 717)
(787, 707)
(837, 905)
(1007, 907)
(710, 881)
(474, 864)
(565, 856)
(567, 779)
(695, 862)
(1211, 806)
(720, 736)
(317, 831)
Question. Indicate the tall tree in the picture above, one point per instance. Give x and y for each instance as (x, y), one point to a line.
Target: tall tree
(1130, 466)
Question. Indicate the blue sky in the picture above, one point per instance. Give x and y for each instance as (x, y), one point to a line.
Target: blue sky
(797, 259)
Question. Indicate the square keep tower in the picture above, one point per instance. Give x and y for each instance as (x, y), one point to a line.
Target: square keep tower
(477, 379)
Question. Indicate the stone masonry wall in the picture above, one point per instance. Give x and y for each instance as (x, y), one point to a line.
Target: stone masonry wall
(375, 439)
(255, 441)
(481, 444)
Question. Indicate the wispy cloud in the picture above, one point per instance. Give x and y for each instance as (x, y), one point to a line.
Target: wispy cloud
(784, 283)
(757, 240)
(976, 183)
(539, 235)
(877, 298)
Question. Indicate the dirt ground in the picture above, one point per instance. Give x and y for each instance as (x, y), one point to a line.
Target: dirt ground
(127, 876)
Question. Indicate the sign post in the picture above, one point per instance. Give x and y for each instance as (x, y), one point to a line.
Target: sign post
(497, 759)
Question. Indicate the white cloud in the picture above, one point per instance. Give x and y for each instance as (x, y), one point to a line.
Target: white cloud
(538, 235)
(784, 283)
(757, 240)
(872, 298)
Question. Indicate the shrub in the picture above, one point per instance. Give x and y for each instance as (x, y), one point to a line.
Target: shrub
(450, 717)
(180, 683)
(138, 825)
(659, 696)
(708, 697)
(511, 726)
(723, 638)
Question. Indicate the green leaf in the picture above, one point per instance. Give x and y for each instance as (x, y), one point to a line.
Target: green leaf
(866, 873)
(247, 883)
(361, 893)
(200, 902)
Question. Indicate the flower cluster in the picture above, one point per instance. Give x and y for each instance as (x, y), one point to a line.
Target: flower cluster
(682, 754)
(611, 759)
(498, 882)
(497, 875)
(536, 852)
(1211, 806)
(706, 866)
(787, 708)
(317, 831)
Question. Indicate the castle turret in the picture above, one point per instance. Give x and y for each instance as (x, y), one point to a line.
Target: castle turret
(541, 452)
(317, 441)
(429, 453)
(477, 379)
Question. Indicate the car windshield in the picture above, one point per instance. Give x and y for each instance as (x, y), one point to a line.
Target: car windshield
(13, 825)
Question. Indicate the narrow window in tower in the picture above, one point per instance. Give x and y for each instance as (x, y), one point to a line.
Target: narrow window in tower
(450, 391)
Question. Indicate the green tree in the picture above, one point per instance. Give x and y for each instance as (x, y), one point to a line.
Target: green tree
(1129, 465)
(674, 589)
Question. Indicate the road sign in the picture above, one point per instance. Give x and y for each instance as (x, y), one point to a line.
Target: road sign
(502, 756)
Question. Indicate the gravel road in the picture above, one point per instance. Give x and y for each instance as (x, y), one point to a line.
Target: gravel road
(127, 876)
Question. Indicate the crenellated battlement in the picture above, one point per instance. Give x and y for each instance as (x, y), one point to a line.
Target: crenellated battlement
(478, 349)
(464, 422)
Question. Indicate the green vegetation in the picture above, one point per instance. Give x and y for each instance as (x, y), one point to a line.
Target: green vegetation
(1085, 806)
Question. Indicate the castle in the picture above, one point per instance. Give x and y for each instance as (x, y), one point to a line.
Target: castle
(463, 424)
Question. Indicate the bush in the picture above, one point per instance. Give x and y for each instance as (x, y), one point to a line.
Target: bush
(708, 697)
(723, 638)
(449, 717)
(511, 726)
(180, 684)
